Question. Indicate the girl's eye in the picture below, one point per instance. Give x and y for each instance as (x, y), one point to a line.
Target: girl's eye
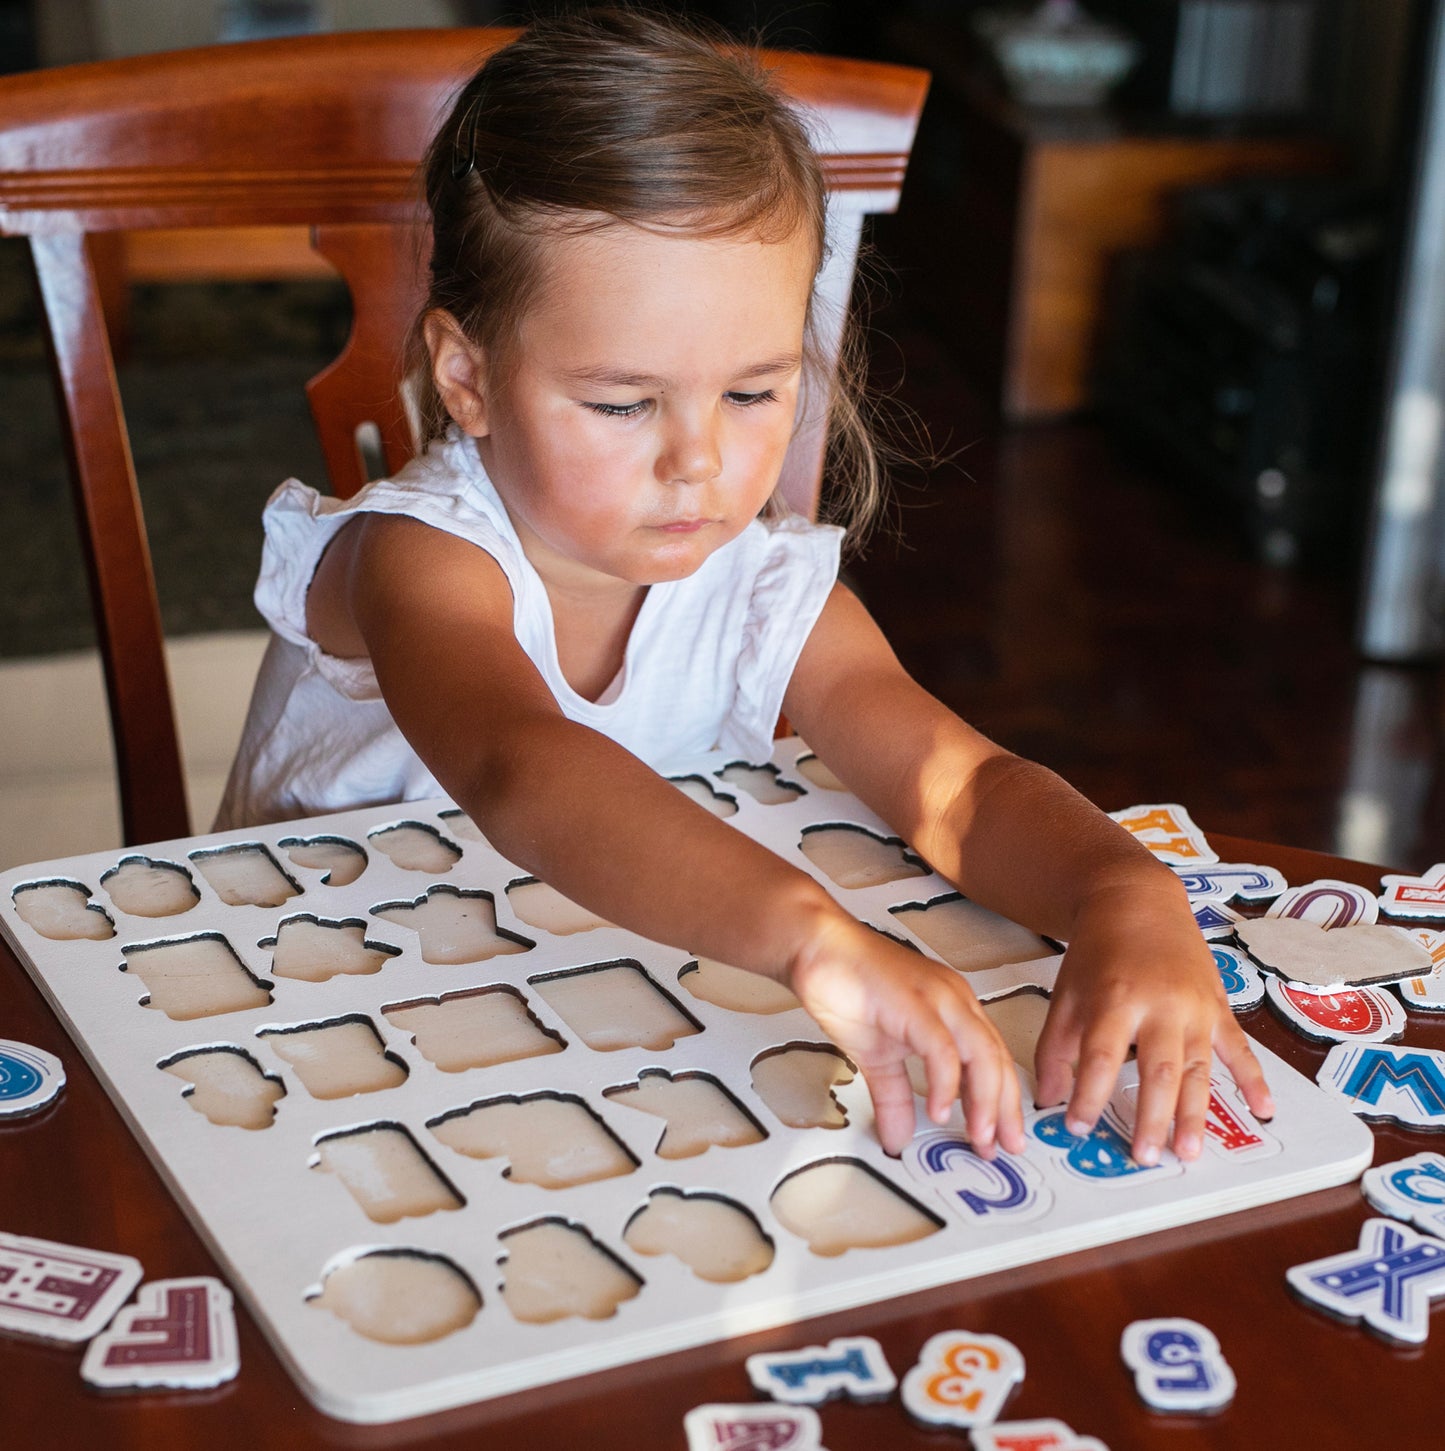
(618, 410)
(748, 400)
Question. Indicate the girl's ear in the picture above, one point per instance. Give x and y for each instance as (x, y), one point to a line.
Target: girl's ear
(458, 369)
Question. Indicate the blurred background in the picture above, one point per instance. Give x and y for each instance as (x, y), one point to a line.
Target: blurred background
(1165, 295)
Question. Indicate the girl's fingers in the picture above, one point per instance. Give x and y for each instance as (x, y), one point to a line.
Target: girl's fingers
(1193, 1107)
(1161, 1071)
(1235, 1053)
(1101, 1053)
(1055, 1056)
(893, 1110)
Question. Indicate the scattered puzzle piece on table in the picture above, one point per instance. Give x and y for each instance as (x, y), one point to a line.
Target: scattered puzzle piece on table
(1426, 993)
(1353, 1015)
(852, 1366)
(1422, 896)
(1043, 1435)
(1243, 985)
(1411, 1189)
(1328, 903)
(1169, 832)
(1387, 1081)
(1330, 958)
(1177, 1365)
(29, 1078)
(1388, 1281)
(60, 1291)
(753, 1428)
(962, 1379)
(1231, 882)
(1215, 919)
(974, 1188)
(180, 1334)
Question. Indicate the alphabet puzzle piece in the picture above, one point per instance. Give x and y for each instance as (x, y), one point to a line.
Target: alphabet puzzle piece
(1044, 1435)
(1426, 993)
(1352, 1015)
(29, 1078)
(1415, 896)
(1215, 919)
(853, 1366)
(1387, 1081)
(180, 1334)
(1169, 832)
(1388, 1281)
(1243, 985)
(962, 1379)
(1411, 1189)
(977, 1189)
(1177, 1365)
(753, 1428)
(58, 1291)
(1231, 882)
(1327, 903)
(1102, 1156)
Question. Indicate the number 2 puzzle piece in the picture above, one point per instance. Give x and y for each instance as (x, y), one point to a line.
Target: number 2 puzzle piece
(1169, 832)
(1415, 896)
(962, 1379)
(852, 1366)
(1411, 1189)
(1387, 1080)
(29, 1078)
(753, 1428)
(180, 1334)
(60, 1292)
(1177, 1365)
(1042, 1435)
(1388, 1281)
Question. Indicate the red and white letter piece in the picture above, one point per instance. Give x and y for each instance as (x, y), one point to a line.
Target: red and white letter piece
(1042, 1435)
(58, 1291)
(179, 1334)
(753, 1428)
(1415, 896)
(1351, 1015)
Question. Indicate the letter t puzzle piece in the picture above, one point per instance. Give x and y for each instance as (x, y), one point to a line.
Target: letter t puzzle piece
(179, 1333)
(1043, 1435)
(1177, 1365)
(854, 1366)
(962, 1379)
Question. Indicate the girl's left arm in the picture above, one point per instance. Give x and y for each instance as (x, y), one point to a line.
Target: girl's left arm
(1016, 838)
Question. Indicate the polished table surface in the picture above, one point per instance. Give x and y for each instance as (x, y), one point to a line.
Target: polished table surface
(73, 1173)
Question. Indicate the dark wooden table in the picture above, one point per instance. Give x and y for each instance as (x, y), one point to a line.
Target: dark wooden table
(73, 1173)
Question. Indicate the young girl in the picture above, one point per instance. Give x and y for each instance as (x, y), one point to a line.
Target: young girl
(585, 576)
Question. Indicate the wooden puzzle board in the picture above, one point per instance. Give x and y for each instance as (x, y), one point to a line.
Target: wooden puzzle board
(276, 1224)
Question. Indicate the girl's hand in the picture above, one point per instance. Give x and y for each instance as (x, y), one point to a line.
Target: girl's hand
(879, 1003)
(1138, 972)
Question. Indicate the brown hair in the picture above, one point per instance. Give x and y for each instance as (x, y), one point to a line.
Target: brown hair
(617, 115)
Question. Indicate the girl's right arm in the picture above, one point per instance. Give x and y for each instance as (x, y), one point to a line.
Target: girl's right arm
(563, 802)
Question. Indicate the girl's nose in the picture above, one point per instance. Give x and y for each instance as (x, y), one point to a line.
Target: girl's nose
(692, 454)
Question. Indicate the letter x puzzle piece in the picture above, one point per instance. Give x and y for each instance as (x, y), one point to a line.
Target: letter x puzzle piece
(179, 1334)
(753, 1428)
(962, 1379)
(1387, 1281)
(1177, 1365)
(58, 1291)
(1044, 1435)
(853, 1366)
(1411, 1189)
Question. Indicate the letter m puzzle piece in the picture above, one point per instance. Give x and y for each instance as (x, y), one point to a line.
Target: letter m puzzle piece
(1387, 1080)
(1388, 1281)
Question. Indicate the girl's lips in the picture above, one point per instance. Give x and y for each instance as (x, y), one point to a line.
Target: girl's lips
(682, 526)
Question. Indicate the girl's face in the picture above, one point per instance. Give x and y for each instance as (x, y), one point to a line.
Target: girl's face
(642, 414)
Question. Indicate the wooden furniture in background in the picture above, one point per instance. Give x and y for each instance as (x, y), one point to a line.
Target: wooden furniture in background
(75, 1174)
(322, 132)
(1015, 215)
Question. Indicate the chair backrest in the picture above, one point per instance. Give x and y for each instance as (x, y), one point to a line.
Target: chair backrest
(325, 131)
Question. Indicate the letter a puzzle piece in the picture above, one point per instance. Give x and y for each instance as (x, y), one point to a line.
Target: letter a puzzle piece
(1415, 896)
(753, 1428)
(1411, 1189)
(1177, 1365)
(854, 1366)
(1044, 1435)
(1387, 1081)
(962, 1379)
(179, 1334)
(1388, 1281)
(60, 1292)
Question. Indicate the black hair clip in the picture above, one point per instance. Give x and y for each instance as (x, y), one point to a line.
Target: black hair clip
(464, 148)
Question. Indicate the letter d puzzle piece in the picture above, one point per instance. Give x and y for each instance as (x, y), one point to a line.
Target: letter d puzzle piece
(59, 1292)
(1411, 1189)
(179, 1334)
(962, 1379)
(753, 1428)
(854, 1366)
(1045, 1435)
(1388, 1281)
(1177, 1365)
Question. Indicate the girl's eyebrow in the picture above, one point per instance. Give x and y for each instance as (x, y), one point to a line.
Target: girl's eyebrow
(622, 378)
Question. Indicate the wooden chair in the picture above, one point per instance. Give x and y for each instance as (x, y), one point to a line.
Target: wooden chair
(324, 132)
